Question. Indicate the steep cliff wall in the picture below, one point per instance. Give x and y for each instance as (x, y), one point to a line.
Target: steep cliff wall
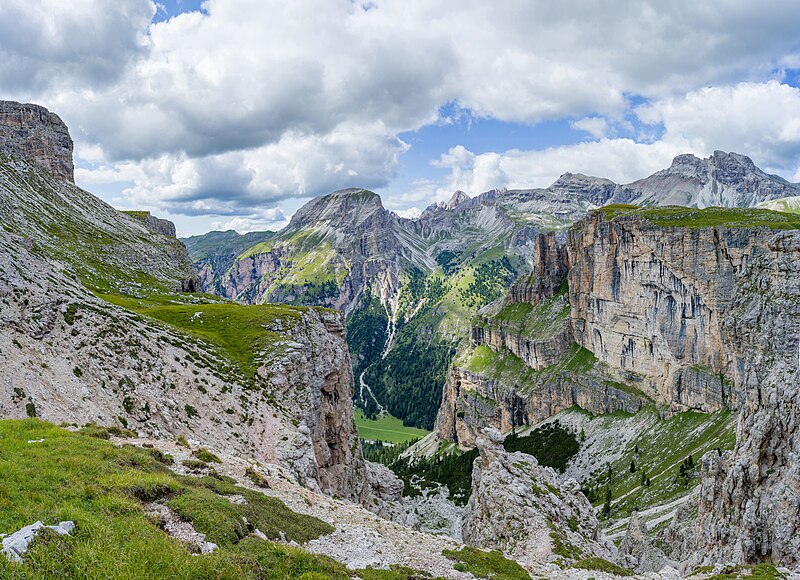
(651, 300)
(33, 133)
(749, 498)
(506, 394)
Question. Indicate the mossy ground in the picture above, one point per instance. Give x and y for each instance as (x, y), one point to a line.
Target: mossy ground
(601, 565)
(678, 216)
(486, 564)
(537, 322)
(237, 331)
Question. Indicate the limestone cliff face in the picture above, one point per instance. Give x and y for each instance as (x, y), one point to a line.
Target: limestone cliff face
(157, 225)
(652, 300)
(33, 133)
(522, 509)
(749, 497)
(473, 401)
(697, 318)
(535, 353)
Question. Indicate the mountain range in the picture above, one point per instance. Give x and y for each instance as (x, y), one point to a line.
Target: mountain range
(424, 279)
(610, 380)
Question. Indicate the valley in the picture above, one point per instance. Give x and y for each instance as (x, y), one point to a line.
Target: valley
(585, 380)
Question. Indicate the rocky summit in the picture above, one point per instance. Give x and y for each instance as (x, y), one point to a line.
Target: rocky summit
(607, 376)
(33, 133)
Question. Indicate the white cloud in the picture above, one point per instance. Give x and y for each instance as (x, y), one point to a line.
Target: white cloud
(410, 213)
(621, 160)
(270, 219)
(239, 181)
(597, 127)
(255, 101)
(50, 45)
(761, 120)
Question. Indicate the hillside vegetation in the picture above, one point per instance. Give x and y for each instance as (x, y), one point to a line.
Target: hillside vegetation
(103, 488)
(731, 217)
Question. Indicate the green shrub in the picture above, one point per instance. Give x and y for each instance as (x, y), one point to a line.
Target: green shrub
(601, 565)
(195, 464)
(206, 456)
(257, 479)
(486, 564)
(69, 314)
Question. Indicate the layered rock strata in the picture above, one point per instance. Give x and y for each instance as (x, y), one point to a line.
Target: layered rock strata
(33, 133)
(749, 497)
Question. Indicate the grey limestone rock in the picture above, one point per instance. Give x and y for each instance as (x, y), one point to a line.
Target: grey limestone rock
(33, 133)
(520, 508)
(15, 545)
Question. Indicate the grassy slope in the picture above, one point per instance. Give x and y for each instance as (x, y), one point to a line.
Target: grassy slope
(223, 243)
(536, 322)
(386, 428)
(507, 368)
(235, 330)
(72, 476)
(677, 216)
(77, 228)
(663, 444)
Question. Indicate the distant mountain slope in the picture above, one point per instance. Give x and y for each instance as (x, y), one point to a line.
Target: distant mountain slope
(215, 252)
(723, 179)
(405, 282)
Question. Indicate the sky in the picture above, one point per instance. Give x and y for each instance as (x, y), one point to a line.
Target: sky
(233, 113)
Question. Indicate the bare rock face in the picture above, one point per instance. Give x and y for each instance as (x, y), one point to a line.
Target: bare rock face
(157, 225)
(520, 508)
(651, 300)
(723, 179)
(749, 497)
(35, 134)
(472, 402)
(638, 546)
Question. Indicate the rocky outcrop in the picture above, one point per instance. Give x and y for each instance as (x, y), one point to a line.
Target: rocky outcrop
(16, 545)
(472, 401)
(638, 550)
(157, 225)
(522, 509)
(70, 357)
(536, 354)
(33, 133)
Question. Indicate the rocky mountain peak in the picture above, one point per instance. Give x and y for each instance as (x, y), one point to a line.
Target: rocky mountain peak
(340, 209)
(722, 179)
(34, 134)
(457, 197)
(688, 164)
(595, 190)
